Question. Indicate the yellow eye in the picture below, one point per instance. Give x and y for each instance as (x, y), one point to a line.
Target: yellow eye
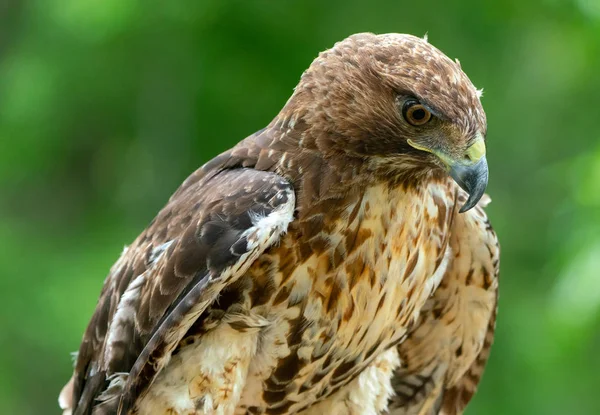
(415, 113)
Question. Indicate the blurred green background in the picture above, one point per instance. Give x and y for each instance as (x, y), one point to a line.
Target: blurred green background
(107, 105)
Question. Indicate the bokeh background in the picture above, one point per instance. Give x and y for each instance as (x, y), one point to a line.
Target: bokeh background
(107, 105)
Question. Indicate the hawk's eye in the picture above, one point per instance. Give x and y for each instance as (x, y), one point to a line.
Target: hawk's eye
(415, 113)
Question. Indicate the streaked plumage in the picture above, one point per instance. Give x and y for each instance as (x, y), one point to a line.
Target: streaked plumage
(319, 266)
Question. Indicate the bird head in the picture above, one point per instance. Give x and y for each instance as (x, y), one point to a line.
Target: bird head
(400, 104)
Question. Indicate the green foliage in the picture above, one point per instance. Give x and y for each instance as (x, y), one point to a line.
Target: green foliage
(106, 106)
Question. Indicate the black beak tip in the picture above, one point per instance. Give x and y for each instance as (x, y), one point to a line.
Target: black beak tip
(473, 180)
(470, 203)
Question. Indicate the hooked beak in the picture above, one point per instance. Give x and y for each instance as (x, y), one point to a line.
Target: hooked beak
(470, 173)
(473, 179)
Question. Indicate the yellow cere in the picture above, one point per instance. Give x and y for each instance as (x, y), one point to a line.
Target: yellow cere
(476, 151)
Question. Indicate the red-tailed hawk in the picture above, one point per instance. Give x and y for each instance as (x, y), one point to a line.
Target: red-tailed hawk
(321, 266)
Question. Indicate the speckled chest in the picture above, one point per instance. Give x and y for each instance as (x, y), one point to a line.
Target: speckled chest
(339, 294)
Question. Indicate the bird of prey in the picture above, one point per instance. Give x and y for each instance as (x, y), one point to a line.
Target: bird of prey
(338, 261)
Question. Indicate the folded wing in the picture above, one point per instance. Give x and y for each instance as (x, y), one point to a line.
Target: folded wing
(206, 237)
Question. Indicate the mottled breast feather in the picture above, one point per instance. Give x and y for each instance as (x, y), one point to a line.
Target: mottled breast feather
(343, 288)
(444, 356)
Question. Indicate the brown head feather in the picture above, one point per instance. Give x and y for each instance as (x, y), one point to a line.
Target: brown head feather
(349, 101)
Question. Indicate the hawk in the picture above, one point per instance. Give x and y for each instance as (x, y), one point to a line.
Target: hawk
(338, 261)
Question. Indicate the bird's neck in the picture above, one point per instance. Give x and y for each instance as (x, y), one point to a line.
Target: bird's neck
(321, 176)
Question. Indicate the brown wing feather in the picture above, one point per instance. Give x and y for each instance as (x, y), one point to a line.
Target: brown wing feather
(456, 398)
(205, 237)
(444, 356)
